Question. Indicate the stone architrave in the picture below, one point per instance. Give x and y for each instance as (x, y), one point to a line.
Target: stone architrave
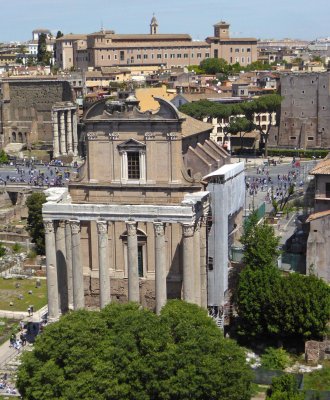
(188, 263)
(197, 263)
(77, 269)
(52, 284)
(132, 261)
(102, 230)
(69, 132)
(160, 266)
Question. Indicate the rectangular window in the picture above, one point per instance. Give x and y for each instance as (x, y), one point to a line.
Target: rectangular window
(138, 56)
(145, 56)
(327, 190)
(248, 50)
(236, 50)
(293, 137)
(165, 55)
(133, 165)
(185, 55)
(207, 55)
(199, 55)
(172, 55)
(310, 138)
(122, 55)
(159, 56)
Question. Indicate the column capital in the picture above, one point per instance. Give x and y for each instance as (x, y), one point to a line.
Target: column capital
(131, 228)
(198, 226)
(75, 226)
(188, 230)
(49, 225)
(61, 223)
(102, 227)
(159, 228)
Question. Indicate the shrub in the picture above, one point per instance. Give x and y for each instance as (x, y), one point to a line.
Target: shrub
(275, 358)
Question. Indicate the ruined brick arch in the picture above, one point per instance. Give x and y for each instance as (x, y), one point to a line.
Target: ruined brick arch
(20, 137)
(13, 137)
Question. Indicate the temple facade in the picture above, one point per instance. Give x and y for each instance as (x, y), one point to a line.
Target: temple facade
(132, 226)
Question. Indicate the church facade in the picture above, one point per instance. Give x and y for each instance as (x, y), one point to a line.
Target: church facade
(132, 226)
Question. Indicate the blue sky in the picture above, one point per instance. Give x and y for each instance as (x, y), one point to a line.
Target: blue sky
(248, 18)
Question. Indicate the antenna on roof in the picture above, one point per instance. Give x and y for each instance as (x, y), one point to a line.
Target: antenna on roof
(102, 27)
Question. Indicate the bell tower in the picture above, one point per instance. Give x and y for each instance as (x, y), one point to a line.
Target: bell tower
(221, 30)
(153, 26)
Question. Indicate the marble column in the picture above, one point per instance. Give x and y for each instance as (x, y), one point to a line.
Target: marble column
(104, 276)
(75, 133)
(77, 269)
(68, 248)
(62, 132)
(52, 286)
(124, 170)
(197, 264)
(61, 266)
(143, 166)
(188, 263)
(55, 135)
(69, 132)
(160, 266)
(132, 261)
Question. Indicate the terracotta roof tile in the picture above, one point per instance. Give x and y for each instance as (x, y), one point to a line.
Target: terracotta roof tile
(322, 168)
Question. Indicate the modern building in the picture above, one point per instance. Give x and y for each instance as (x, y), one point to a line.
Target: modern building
(106, 48)
(133, 224)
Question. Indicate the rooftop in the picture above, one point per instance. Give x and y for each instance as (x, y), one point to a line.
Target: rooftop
(322, 168)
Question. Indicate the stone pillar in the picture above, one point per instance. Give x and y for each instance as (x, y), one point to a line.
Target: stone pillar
(160, 266)
(75, 133)
(62, 131)
(61, 266)
(197, 264)
(77, 270)
(55, 134)
(188, 263)
(52, 286)
(124, 170)
(69, 132)
(104, 277)
(68, 247)
(132, 261)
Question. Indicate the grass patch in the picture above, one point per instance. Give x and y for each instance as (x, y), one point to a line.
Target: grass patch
(16, 291)
(318, 380)
(7, 327)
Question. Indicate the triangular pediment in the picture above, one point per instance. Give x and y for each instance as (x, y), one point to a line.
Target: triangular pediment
(132, 144)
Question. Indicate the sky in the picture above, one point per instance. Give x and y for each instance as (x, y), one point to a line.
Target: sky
(262, 19)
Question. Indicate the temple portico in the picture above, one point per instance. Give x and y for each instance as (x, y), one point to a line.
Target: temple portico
(59, 213)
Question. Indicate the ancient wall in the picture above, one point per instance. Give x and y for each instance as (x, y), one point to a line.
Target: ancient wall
(26, 114)
(305, 111)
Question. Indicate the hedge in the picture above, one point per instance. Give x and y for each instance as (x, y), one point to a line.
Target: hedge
(318, 153)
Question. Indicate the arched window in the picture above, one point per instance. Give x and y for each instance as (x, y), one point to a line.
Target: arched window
(13, 137)
(20, 137)
(142, 251)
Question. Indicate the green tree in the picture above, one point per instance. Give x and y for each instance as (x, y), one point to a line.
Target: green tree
(35, 224)
(3, 157)
(127, 352)
(254, 111)
(214, 66)
(284, 387)
(273, 306)
(239, 125)
(2, 250)
(43, 56)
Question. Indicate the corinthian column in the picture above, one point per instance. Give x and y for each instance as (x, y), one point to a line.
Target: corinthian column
(69, 132)
(75, 133)
(102, 230)
(52, 286)
(77, 269)
(188, 263)
(55, 134)
(160, 266)
(68, 247)
(197, 264)
(132, 260)
(62, 131)
(61, 265)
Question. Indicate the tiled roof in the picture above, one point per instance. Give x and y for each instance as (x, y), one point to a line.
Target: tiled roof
(322, 168)
(192, 126)
(318, 215)
(72, 36)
